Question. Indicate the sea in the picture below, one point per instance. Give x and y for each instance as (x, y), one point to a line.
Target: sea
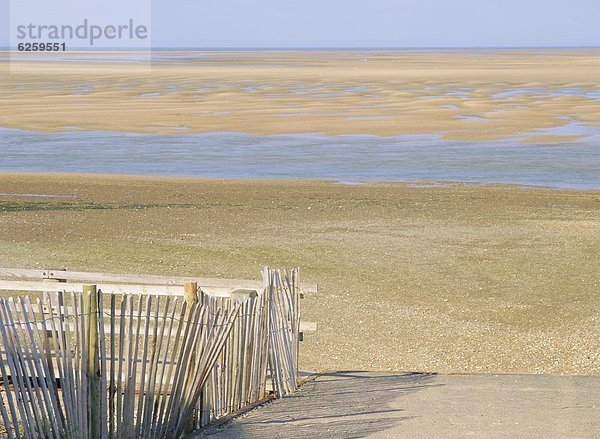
(348, 159)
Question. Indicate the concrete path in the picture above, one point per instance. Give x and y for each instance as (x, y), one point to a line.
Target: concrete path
(376, 405)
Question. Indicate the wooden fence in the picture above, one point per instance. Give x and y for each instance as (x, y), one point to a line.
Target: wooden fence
(88, 363)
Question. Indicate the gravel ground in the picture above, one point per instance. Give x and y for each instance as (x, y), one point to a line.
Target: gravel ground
(446, 278)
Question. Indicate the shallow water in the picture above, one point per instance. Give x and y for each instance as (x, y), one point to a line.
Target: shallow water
(307, 156)
(545, 93)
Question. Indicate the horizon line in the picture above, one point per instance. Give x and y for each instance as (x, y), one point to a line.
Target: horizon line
(371, 47)
(324, 48)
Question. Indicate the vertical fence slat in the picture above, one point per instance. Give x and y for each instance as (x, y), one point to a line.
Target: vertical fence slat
(111, 384)
(102, 371)
(124, 322)
(144, 359)
(92, 374)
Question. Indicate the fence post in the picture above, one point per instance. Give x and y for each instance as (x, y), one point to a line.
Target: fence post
(90, 310)
(190, 294)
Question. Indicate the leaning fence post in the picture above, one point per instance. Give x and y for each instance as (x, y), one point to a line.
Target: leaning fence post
(90, 311)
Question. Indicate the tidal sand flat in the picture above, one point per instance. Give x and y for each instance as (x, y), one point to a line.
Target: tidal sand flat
(428, 277)
(460, 94)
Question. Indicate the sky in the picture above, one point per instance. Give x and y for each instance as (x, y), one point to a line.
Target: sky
(366, 23)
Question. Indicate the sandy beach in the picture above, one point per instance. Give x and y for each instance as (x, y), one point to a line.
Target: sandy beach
(412, 189)
(460, 94)
(443, 278)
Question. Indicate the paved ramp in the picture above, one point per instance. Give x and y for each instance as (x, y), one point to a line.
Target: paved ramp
(376, 405)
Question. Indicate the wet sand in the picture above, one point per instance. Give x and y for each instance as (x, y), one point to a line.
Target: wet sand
(442, 278)
(464, 95)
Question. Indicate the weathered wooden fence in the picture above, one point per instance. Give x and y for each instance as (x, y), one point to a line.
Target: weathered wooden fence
(117, 365)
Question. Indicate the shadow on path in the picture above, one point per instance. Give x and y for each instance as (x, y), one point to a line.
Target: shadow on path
(344, 404)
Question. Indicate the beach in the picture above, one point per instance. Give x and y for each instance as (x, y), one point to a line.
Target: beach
(534, 96)
(430, 277)
(319, 219)
(377, 172)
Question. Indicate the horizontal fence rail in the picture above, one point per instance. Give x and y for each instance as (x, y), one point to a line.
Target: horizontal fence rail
(19, 274)
(99, 364)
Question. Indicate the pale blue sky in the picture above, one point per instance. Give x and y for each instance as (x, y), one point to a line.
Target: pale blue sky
(369, 23)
